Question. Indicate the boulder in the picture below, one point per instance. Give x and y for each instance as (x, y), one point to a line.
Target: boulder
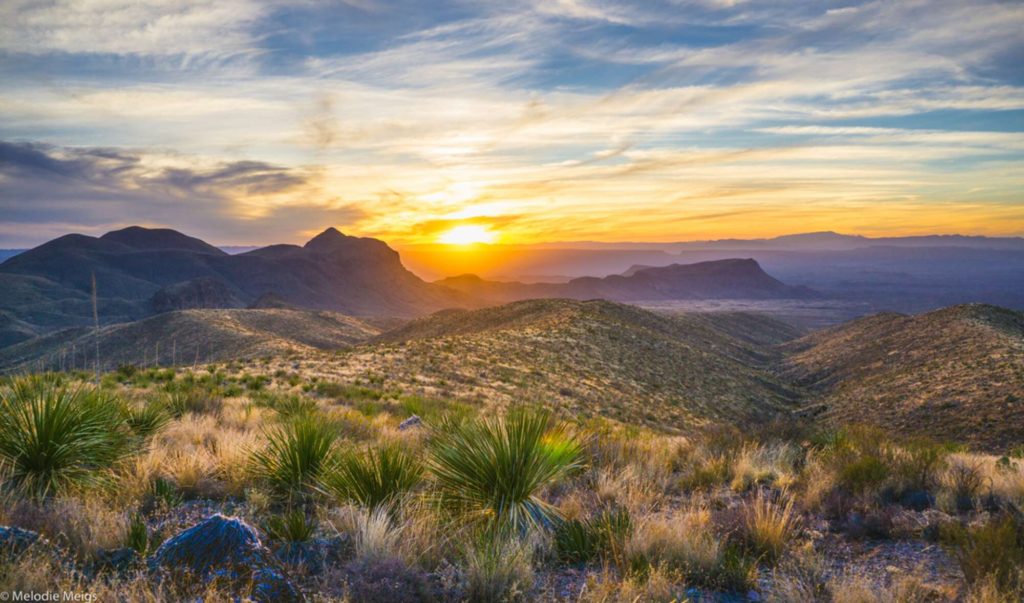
(410, 423)
(14, 542)
(228, 551)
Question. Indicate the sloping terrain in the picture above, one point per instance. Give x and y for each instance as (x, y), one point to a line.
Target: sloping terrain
(590, 358)
(954, 374)
(140, 272)
(188, 336)
(722, 279)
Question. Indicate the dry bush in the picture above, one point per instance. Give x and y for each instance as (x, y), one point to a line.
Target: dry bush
(83, 525)
(498, 570)
(768, 526)
(683, 541)
(628, 488)
(656, 586)
(765, 465)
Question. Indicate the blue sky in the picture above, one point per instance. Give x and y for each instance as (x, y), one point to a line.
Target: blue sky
(255, 122)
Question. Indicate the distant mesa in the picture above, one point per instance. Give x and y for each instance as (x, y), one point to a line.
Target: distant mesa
(720, 279)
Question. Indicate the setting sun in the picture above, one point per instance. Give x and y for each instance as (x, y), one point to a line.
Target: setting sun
(467, 234)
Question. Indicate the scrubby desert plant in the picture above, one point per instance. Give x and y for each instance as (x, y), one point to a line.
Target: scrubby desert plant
(991, 553)
(491, 470)
(55, 435)
(378, 477)
(291, 526)
(603, 536)
(191, 400)
(964, 481)
(295, 455)
(146, 420)
(498, 570)
(769, 527)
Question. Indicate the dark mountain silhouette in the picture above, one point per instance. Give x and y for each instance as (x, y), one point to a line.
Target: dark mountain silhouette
(141, 271)
(723, 279)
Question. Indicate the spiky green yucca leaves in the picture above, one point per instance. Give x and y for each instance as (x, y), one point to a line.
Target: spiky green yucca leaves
(492, 469)
(55, 435)
(296, 455)
(377, 478)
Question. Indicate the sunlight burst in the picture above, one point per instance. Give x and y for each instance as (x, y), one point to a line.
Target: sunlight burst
(467, 234)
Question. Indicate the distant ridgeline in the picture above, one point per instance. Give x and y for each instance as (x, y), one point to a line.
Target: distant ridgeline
(141, 272)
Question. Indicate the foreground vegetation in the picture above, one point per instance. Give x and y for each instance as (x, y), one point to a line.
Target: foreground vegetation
(477, 504)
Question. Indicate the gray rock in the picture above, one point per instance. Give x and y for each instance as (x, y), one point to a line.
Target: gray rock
(14, 542)
(227, 550)
(411, 422)
(118, 560)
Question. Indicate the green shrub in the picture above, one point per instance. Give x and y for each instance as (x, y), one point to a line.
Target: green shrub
(864, 474)
(286, 405)
(296, 455)
(602, 536)
(192, 400)
(53, 436)
(376, 478)
(148, 419)
(491, 469)
(138, 535)
(991, 552)
(293, 526)
(575, 542)
(918, 464)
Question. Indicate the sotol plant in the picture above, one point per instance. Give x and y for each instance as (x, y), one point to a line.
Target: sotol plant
(374, 479)
(296, 455)
(55, 435)
(491, 470)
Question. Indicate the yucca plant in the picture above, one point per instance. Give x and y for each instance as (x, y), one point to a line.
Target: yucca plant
(295, 456)
(54, 435)
(146, 420)
(490, 470)
(376, 478)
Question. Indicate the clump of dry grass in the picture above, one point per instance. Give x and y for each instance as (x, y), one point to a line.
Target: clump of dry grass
(769, 526)
(498, 570)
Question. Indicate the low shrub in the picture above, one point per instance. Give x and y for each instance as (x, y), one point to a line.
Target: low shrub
(292, 526)
(295, 456)
(991, 552)
(378, 477)
(490, 470)
(54, 435)
(768, 527)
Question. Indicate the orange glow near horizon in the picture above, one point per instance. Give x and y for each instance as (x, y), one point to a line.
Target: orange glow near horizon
(467, 234)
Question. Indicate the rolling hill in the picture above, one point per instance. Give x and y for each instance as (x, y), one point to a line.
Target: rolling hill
(592, 358)
(188, 336)
(955, 374)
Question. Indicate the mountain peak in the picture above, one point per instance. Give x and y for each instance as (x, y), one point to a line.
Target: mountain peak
(327, 239)
(139, 237)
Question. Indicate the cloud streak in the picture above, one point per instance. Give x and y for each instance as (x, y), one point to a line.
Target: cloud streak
(661, 120)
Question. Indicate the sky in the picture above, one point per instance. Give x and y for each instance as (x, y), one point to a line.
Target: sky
(513, 121)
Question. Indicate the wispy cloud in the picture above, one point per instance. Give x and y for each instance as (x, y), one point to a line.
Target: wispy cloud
(648, 119)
